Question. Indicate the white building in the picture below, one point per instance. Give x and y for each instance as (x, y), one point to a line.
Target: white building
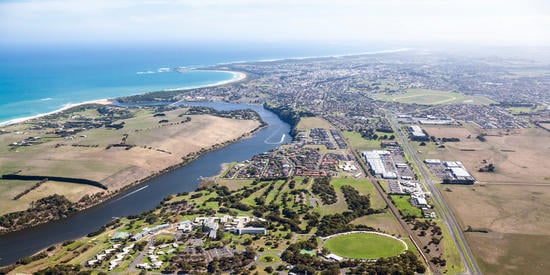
(251, 230)
(416, 133)
(374, 160)
(432, 161)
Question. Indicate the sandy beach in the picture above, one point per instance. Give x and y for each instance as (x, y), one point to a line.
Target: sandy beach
(66, 107)
(236, 76)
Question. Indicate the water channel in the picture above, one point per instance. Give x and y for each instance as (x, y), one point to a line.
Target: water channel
(148, 194)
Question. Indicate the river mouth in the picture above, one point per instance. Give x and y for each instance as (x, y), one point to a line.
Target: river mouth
(150, 193)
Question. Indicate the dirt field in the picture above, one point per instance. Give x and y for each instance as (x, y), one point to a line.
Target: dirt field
(505, 208)
(447, 131)
(511, 253)
(307, 123)
(8, 190)
(520, 156)
(156, 147)
(517, 218)
(545, 125)
(512, 204)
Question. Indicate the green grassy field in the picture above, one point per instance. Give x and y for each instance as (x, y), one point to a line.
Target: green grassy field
(359, 143)
(433, 97)
(519, 110)
(402, 203)
(384, 222)
(364, 246)
(364, 187)
(271, 245)
(450, 252)
(269, 258)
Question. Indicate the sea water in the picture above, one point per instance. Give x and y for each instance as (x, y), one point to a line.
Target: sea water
(36, 82)
(40, 79)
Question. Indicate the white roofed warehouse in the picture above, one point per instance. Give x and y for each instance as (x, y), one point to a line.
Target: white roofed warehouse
(417, 134)
(457, 174)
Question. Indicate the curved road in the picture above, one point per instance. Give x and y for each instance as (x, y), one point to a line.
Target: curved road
(442, 208)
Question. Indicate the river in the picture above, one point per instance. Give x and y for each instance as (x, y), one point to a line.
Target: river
(150, 193)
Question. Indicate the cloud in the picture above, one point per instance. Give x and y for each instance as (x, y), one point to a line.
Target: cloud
(55, 21)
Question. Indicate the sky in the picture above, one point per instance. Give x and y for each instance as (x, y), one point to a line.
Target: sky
(487, 22)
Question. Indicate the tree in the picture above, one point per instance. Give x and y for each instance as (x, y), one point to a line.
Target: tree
(332, 270)
(213, 266)
(268, 259)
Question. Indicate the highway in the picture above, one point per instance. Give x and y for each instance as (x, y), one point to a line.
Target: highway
(412, 235)
(441, 206)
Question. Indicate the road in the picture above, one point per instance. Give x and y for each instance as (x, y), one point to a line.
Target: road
(442, 209)
(393, 210)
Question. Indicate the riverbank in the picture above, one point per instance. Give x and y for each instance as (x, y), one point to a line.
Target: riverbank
(146, 195)
(148, 145)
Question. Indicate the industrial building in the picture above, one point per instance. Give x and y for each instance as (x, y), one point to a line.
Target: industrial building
(450, 172)
(457, 174)
(374, 160)
(416, 133)
(432, 161)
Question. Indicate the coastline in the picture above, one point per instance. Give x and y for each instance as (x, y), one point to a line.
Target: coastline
(236, 77)
(323, 56)
(67, 106)
(309, 57)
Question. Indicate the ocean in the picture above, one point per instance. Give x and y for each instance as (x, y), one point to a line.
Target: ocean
(36, 80)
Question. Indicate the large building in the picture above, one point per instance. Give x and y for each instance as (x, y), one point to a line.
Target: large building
(251, 230)
(146, 231)
(457, 174)
(432, 161)
(416, 133)
(374, 160)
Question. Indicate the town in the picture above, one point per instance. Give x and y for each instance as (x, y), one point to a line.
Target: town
(386, 149)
